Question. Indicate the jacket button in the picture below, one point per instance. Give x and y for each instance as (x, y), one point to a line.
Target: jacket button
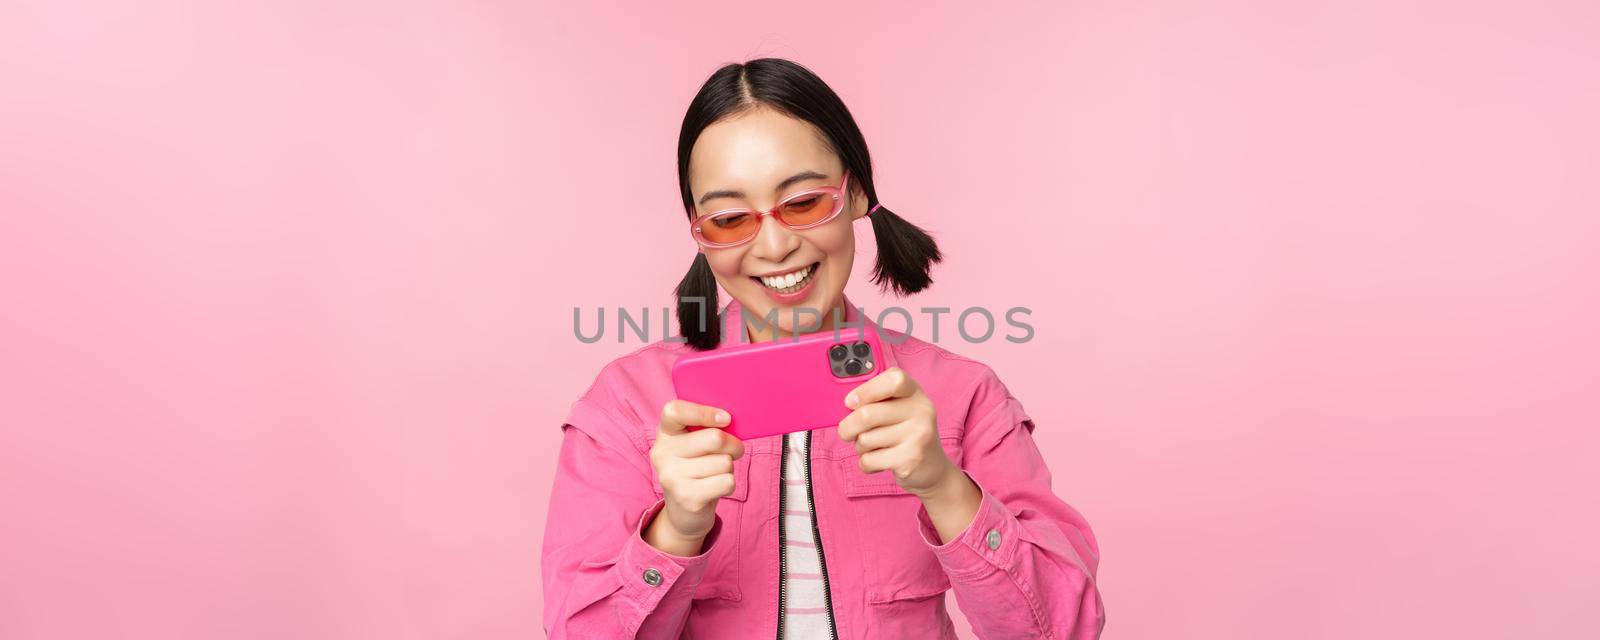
(652, 577)
(993, 539)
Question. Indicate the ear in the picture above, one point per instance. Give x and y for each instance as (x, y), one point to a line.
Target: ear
(858, 203)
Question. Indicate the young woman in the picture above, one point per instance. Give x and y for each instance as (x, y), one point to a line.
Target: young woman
(932, 483)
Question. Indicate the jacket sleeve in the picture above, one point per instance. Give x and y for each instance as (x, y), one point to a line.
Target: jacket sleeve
(1025, 566)
(601, 579)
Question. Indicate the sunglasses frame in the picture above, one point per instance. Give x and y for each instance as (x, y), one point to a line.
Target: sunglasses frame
(838, 194)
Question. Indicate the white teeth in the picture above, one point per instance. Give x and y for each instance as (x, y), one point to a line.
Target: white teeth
(788, 282)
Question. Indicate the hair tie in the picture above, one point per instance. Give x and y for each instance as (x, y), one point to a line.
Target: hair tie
(874, 208)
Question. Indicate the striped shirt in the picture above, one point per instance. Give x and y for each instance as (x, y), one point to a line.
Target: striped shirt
(805, 608)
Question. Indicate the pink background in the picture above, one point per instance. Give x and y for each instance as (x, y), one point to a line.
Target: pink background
(287, 290)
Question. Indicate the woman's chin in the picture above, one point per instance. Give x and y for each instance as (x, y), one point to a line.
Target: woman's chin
(801, 316)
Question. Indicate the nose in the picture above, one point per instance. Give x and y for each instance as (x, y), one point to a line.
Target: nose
(774, 242)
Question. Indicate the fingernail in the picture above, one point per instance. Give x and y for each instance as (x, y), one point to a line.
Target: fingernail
(851, 400)
(722, 417)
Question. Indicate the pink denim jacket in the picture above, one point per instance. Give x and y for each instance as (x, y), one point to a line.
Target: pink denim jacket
(1024, 568)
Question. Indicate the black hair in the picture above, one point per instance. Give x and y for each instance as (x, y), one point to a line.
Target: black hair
(906, 253)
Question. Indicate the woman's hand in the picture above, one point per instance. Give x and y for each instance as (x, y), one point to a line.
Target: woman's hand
(893, 427)
(695, 469)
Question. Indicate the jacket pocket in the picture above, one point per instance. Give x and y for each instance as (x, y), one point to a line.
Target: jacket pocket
(898, 563)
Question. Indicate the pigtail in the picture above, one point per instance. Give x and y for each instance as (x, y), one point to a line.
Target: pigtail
(699, 320)
(906, 253)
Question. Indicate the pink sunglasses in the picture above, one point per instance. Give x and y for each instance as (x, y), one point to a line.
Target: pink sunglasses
(803, 210)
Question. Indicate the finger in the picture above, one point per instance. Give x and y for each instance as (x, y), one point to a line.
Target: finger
(879, 438)
(894, 382)
(705, 442)
(705, 466)
(892, 459)
(706, 491)
(678, 415)
(697, 443)
(875, 461)
(873, 415)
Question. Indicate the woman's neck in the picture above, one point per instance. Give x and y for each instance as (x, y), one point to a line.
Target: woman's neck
(759, 331)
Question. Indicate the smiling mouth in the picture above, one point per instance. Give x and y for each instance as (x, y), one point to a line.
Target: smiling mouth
(789, 282)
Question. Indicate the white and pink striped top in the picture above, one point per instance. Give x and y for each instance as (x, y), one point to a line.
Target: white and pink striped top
(805, 614)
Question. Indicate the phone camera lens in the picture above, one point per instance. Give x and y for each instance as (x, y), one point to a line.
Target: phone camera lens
(862, 349)
(852, 366)
(838, 352)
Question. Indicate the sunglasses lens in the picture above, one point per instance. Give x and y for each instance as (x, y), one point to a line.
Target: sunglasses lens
(728, 228)
(807, 209)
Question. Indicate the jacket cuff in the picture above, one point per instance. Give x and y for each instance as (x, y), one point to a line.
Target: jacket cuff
(989, 542)
(651, 575)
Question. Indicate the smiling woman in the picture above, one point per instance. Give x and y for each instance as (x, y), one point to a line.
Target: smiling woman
(664, 525)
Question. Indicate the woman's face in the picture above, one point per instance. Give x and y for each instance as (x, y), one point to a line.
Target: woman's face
(751, 160)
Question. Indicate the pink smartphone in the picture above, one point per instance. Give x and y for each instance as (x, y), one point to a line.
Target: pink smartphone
(793, 384)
